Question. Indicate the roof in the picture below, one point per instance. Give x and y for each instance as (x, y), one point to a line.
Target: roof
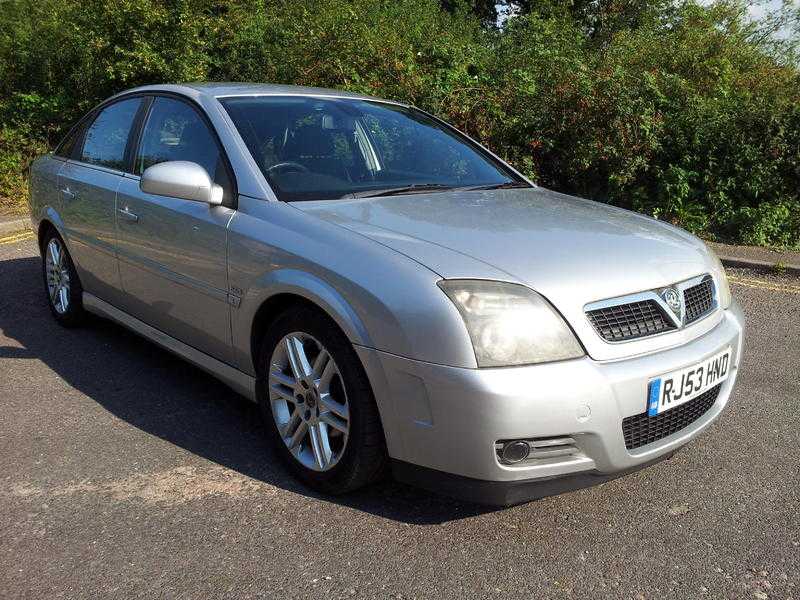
(266, 89)
(220, 90)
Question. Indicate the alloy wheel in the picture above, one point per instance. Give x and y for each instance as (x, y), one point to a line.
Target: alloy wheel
(57, 271)
(309, 401)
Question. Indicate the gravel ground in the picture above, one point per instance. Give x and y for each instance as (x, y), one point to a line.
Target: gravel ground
(127, 473)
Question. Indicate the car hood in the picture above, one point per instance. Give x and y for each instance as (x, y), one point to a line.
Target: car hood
(572, 251)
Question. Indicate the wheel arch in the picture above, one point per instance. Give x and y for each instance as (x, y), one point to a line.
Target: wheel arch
(270, 309)
(45, 227)
(344, 318)
(50, 221)
(290, 287)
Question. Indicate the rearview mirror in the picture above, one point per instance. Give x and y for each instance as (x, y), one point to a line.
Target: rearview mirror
(181, 179)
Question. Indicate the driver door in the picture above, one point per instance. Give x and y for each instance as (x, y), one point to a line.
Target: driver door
(173, 252)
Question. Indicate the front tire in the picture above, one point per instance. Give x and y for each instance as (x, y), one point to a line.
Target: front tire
(317, 404)
(61, 283)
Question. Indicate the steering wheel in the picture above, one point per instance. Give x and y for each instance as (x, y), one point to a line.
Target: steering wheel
(288, 166)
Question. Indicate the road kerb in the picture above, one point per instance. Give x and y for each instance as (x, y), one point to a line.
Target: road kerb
(759, 265)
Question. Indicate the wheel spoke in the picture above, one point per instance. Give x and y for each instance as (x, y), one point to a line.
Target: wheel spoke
(319, 445)
(298, 435)
(334, 421)
(297, 358)
(63, 297)
(329, 404)
(55, 252)
(324, 381)
(289, 427)
(283, 393)
(281, 378)
(320, 363)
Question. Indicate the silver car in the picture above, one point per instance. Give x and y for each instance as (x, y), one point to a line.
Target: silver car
(393, 295)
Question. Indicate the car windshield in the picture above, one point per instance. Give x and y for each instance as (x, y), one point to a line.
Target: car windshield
(312, 148)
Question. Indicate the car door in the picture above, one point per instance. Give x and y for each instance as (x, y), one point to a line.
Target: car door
(173, 252)
(88, 184)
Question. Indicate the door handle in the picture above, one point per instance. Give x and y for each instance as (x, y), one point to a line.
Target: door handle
(68, 193)
(128, 215)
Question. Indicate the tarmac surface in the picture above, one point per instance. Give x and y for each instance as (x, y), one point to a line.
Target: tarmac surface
(128, 473)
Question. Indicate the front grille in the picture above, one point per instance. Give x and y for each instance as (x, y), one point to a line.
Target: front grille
(699, 300)
(629, 321)
(640, 430)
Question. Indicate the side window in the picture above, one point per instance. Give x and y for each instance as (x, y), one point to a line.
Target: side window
(67, 147)
(175, 131)
(107, 137)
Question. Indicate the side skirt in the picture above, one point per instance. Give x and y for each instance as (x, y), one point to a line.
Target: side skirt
(240, 382)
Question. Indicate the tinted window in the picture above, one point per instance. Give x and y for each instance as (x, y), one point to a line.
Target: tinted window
(67, 147)
(321, 148)
(420, 145)
(175, 131)
(107, 136)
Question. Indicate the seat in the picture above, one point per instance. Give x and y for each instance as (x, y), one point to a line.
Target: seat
(315, 148)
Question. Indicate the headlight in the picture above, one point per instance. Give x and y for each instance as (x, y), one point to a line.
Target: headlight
(510, 324)
(723, 288)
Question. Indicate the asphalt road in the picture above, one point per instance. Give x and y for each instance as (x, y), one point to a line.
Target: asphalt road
(127, 473)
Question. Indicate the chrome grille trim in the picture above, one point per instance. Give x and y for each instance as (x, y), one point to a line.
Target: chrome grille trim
(547, 449)
(647, 314)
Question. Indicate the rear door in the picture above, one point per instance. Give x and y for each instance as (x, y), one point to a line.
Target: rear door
(173, 253)
(88, 185)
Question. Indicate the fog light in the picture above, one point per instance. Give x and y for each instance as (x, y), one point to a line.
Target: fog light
(515, 451)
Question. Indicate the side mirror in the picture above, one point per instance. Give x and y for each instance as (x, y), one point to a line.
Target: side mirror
(181, 179)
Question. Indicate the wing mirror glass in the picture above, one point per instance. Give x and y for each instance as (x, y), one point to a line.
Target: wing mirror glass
(181, 179)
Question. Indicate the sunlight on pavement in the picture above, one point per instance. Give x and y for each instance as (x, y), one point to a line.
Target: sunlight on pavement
(764, 284)
(20, 236)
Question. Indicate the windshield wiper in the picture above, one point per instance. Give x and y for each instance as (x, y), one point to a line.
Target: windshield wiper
(420, 188)
(416, 188)
(507, 185)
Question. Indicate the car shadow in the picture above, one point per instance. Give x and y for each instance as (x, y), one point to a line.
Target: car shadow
(164, 396)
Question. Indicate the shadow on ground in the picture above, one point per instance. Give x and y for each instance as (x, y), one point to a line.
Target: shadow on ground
(164, 396)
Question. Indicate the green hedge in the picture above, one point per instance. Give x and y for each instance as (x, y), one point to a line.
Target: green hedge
(680, 111)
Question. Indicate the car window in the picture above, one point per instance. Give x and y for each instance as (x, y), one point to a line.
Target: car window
(70, 144)
(324, 148)
(175, 131)
(107, 137)
(421, 146)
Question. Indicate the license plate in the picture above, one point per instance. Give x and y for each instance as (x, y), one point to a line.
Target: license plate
(676, 388)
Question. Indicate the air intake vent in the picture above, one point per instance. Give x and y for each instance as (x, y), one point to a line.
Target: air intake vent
(699, 300)
(630, 321)
(641, 429)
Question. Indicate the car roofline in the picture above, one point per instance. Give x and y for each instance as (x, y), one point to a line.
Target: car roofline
(223, 90)
(219, 91)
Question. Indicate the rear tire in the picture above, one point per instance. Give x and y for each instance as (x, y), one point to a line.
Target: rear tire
(317, 404)
(61, 283)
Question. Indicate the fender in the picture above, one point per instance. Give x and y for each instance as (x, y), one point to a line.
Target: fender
(320, 293)
(50, 214)
(298, 283)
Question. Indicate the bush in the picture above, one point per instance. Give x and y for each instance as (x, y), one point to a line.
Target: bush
(682, 111)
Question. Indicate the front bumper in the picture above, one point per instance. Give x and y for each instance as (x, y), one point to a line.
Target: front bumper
(442, 423)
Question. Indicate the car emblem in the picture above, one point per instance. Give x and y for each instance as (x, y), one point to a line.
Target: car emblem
(673, 300)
